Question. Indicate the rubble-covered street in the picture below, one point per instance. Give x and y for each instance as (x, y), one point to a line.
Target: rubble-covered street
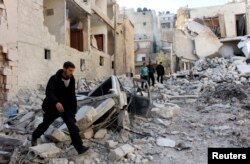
(124, 82)
(190, 112)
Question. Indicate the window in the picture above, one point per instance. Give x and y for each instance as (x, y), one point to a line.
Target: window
(100, 41)
(49, 12)
(144, 13)
(241, 24)
(143, 58)
(82, 64)
(144, 23)
(113, 65)
(101, 63)
(1, 1)
(47, 54)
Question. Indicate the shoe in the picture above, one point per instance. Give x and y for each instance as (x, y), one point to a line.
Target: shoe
(83, 150)
(33, 142)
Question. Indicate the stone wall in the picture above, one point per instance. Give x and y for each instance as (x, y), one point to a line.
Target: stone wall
(125, 48)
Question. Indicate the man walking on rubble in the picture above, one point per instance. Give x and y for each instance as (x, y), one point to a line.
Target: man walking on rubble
(151, 72)
(60, 101)
(160, 72)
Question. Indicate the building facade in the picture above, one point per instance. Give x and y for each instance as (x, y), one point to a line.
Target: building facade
(146, 33)
(37, 37)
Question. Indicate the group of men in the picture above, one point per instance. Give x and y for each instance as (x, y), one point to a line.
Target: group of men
(147, 73)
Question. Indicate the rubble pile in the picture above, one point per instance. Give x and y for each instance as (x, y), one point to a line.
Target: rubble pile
(186, 116)
(221, 70)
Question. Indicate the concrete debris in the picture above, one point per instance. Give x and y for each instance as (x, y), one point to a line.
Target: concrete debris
(89, 133)
(27, 117)
(120, 152)
(111, 144)
(165, 142)
(56, 135)
(168, 111)
(59, 161)
(244, 46)
(100, 134)
(201, 111)
(47, 150)
(202, 35)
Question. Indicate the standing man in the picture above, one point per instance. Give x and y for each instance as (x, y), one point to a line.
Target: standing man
(160, 72)
(60, 101)
(144, 74)
(151, 72)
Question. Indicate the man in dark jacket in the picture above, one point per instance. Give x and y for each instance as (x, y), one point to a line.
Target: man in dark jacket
(60, 101)
(160, 72)
(151, 72)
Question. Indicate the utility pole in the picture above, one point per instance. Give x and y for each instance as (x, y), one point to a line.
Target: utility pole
(115, 44)
(247, 18)
(171, 64)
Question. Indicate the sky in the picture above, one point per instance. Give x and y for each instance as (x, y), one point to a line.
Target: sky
(168, 5)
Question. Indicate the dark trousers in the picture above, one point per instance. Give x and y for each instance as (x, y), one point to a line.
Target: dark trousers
(144, 78)
(160, 78)
(152, 78)
(69, 119)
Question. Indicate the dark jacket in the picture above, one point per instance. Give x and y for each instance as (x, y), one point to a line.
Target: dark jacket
(160, 70)
(151, 69)
(57, 92)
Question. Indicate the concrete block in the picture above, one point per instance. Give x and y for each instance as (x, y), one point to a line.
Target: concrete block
(165, 142)
(168, 111)
(59, 161)
(120, 152)
(111, 144)
(48, 150)
(56, 135)
(100, 134)
(7, 71)
(89, 133)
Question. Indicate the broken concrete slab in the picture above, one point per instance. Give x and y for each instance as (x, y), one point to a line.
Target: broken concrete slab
(111, 144)
(243, 69)
(165, 142)
(100, 134)
(87, 134)
(47, 150)
(27, 116)
(59, 161)
(56, 135)
(120, 152)
(168, 111)
(8, 140)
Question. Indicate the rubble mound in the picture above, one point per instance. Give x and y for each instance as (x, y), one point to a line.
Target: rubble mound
(224, 92)
(229, 91)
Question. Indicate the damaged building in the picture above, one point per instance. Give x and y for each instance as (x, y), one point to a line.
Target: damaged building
(36, 37)
(218, 28)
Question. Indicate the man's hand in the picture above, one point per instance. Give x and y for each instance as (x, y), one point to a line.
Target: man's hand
(59, 107)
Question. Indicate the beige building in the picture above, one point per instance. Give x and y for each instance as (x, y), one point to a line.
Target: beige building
(167, 26)
(214, 30)
(37, 37)
(146, 33)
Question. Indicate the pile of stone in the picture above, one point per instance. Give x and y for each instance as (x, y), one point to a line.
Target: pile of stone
(223, 70)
